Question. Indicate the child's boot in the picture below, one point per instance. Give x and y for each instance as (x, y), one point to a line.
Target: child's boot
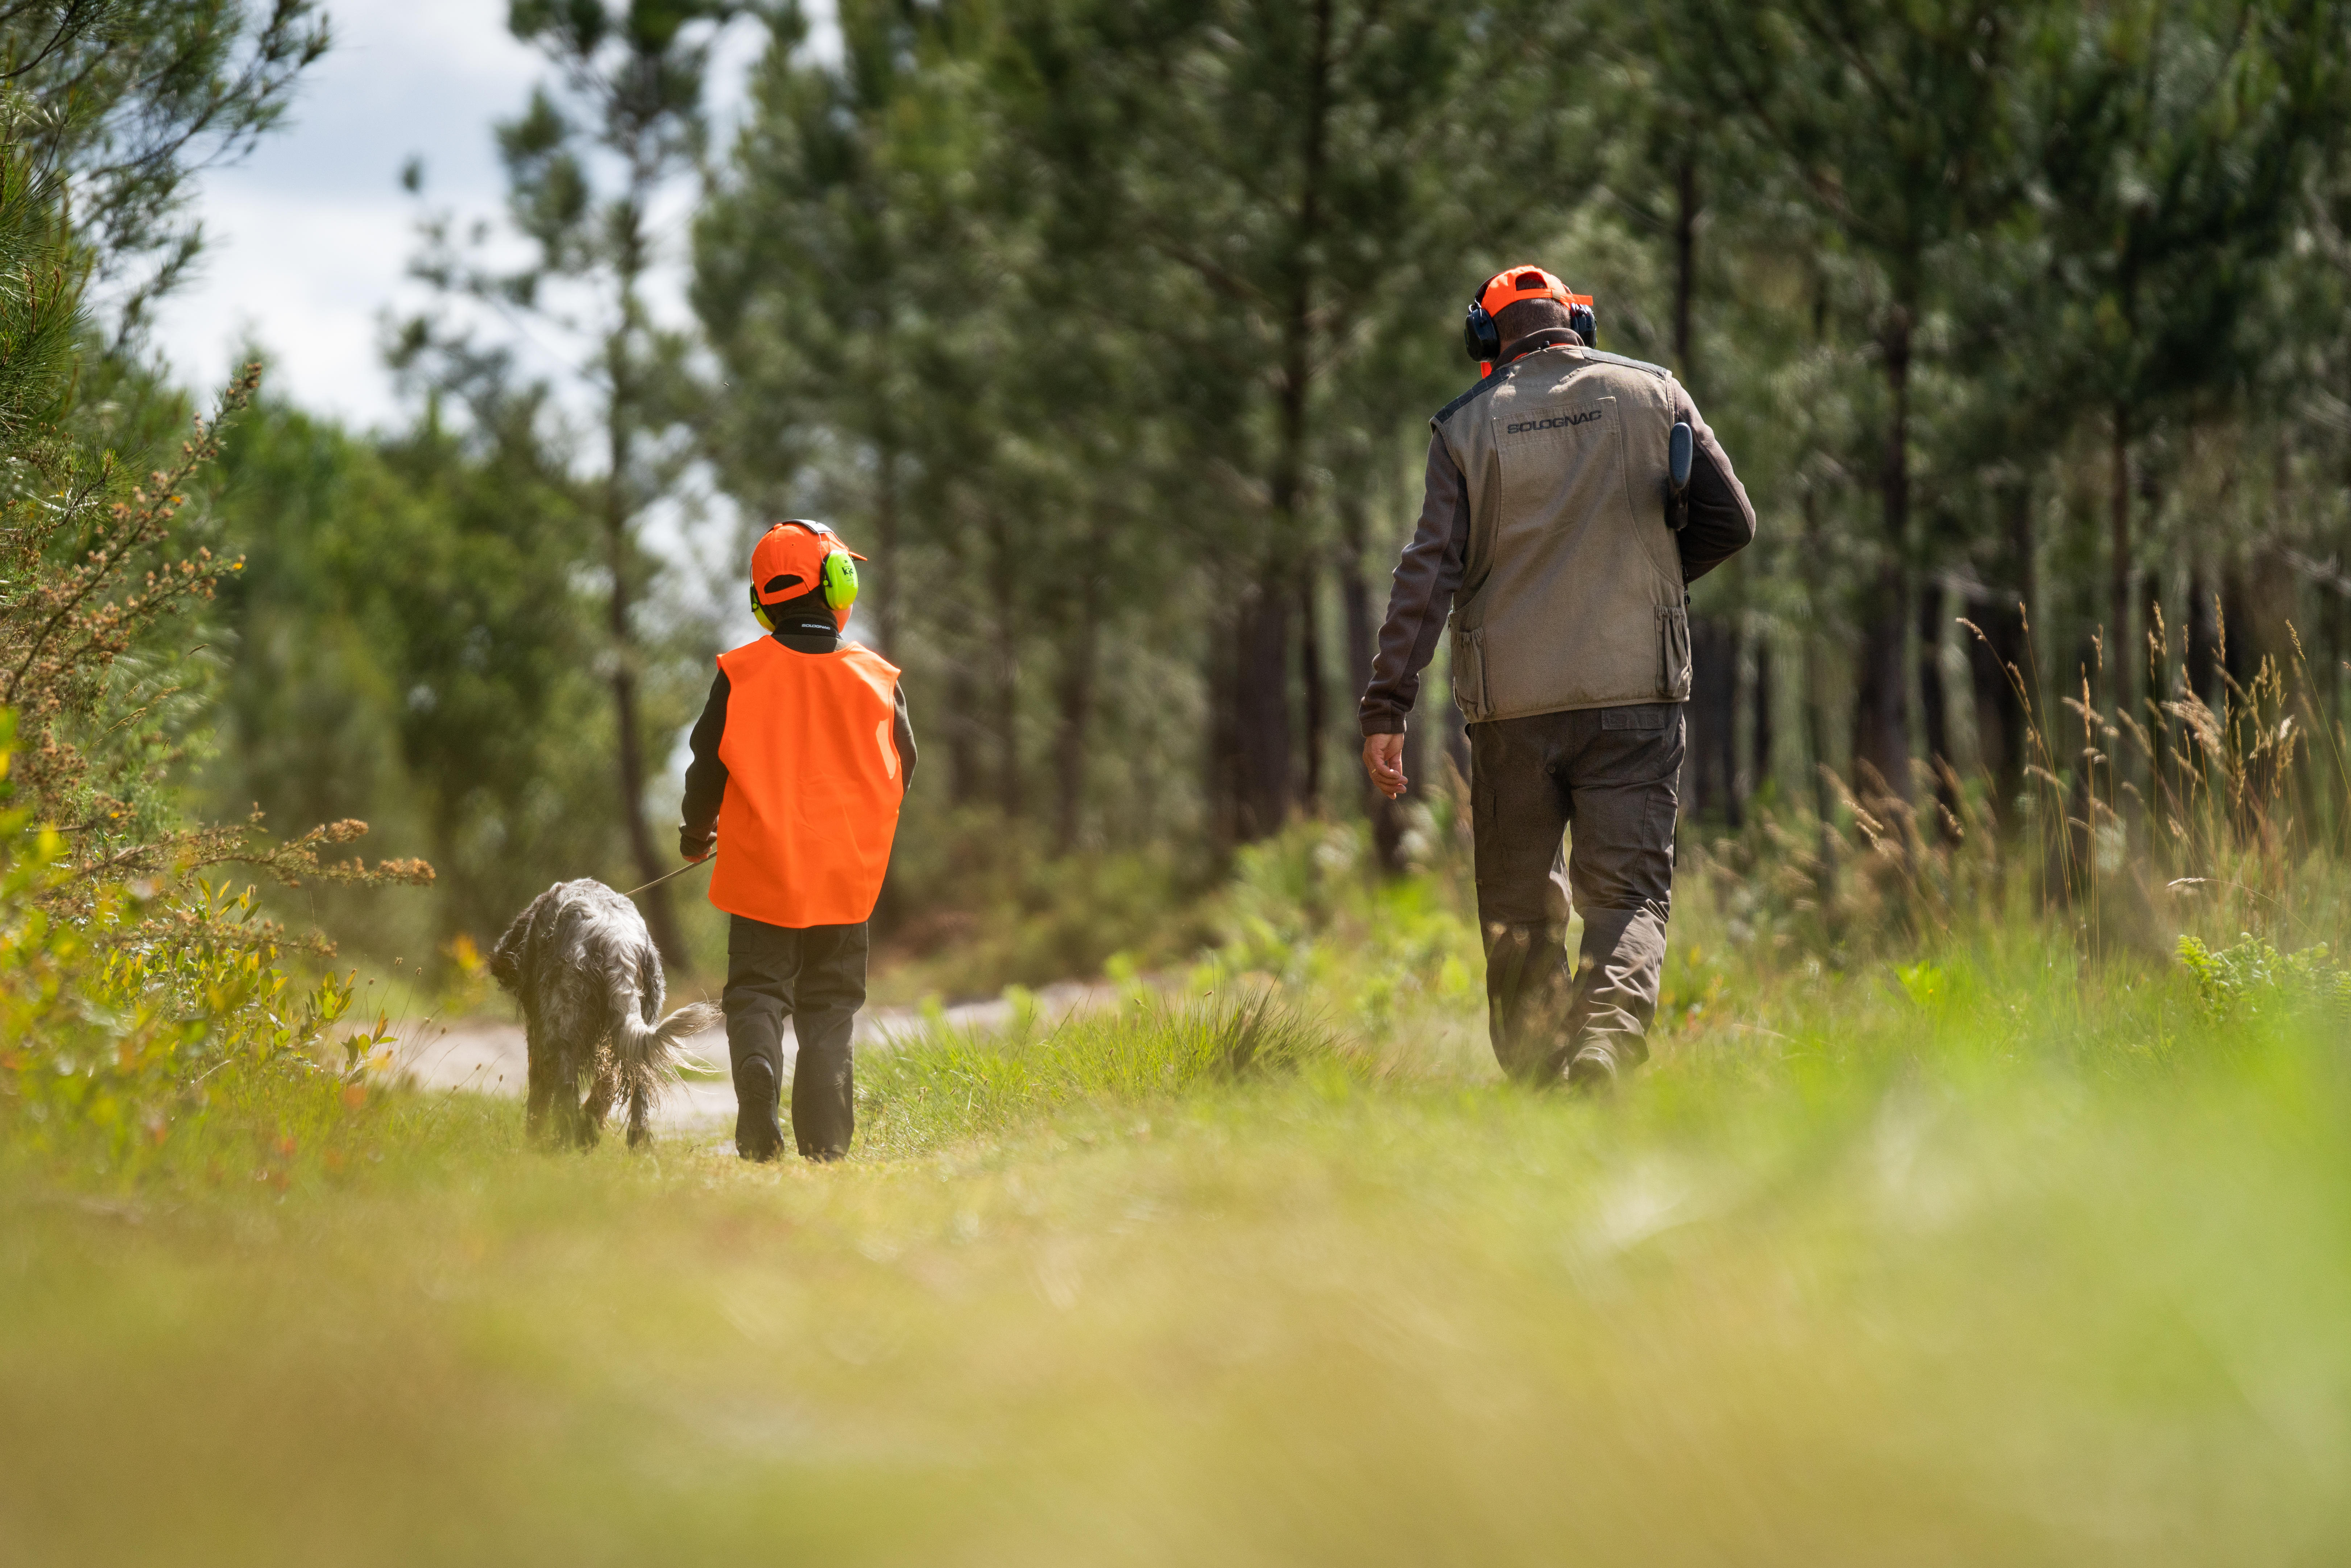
(758, 1136)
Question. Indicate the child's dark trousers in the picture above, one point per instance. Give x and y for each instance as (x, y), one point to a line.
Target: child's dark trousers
(816, 978)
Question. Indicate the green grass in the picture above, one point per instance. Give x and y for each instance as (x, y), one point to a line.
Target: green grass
(1990, 1258)
(959, 1085)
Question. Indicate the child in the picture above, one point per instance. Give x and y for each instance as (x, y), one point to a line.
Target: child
(800, 759)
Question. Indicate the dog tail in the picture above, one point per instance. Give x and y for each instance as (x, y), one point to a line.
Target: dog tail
(648, 1054)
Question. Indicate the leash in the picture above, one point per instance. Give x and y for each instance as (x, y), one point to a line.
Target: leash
(666, 875)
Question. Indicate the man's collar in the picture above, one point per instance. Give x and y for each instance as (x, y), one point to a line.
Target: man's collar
(1548, 338)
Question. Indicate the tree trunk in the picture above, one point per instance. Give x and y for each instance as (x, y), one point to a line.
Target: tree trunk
(1712, 764)
(2203, 658)
(2273, 587)
(1355, 608)
(2024, 566)
(1076, 694)
(2155, 648)
(1005, 592)
(2120, 660)
(2081, 748)
(1881, 711)
(1261, 709)
(2000, 662)
(2155, 645)
(964, 785)
(654, 901)
(2334, 622)
(2207, 631)
(1310, 672)
(1685, 266)
(885, 553)
(1995, 662)
(1881, 718)
(1224, 783)
(1262, 702)
(1760, 736)
(629, 737)
(1711, 755)
(1816, 753)
(1934, 709)
(1815, 709)
(2240, 635)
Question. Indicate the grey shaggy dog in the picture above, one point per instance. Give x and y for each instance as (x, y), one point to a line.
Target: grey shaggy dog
(589, 980)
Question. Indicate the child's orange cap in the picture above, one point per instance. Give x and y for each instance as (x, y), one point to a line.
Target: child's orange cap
(788, 559)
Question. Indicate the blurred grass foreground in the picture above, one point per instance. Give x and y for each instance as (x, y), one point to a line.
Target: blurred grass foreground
(1987, 1252)
(1985, 1200)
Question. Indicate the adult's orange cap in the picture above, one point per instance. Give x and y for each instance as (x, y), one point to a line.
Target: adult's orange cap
(1513, 284)
(788, 559)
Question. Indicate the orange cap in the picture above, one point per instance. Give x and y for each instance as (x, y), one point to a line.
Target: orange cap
(788, 559)
(1513, 284)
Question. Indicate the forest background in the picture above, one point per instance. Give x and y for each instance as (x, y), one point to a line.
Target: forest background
(1109, 333)
(1985, 1198)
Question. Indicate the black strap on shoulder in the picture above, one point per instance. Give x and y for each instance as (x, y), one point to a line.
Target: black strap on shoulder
(1608, 359)
(1458, 403)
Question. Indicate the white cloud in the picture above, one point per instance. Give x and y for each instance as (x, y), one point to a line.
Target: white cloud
(308, 241)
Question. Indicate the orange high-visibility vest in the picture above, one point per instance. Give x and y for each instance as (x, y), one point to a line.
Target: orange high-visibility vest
(812, 785)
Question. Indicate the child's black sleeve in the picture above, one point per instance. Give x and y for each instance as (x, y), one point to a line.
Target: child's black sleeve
(902, 733)
(705, 776)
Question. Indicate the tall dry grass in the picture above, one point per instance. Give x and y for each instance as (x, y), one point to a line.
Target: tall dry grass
(2215, 816)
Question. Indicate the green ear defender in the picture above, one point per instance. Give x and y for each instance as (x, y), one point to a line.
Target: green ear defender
(838, 580)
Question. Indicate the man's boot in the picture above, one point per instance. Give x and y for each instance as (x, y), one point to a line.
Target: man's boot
(1592, 1071)
(757, 1134)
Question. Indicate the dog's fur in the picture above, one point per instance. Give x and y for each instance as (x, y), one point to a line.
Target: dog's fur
(589, 979)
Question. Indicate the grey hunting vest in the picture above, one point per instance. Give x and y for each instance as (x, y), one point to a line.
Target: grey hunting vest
(1572, 596)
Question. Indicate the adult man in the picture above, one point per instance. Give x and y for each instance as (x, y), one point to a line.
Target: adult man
(800, 759)
(1548, 511)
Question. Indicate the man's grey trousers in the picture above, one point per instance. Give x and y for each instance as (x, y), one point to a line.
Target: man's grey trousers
(1611, 775)
(816, 978)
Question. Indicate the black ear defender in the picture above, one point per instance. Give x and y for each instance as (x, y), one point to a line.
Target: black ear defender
(1586, 324)
(1479, 335)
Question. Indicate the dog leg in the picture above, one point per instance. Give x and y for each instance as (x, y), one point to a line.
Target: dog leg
(640, 1111)
(568, 1128)
(603, 1088)
(542, 1086)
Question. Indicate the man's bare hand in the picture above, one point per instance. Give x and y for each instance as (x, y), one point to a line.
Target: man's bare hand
(1383, 760)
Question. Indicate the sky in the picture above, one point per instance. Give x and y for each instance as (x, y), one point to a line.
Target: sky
(307, 240)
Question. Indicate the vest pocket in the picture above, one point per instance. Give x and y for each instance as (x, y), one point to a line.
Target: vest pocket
(1673, 653)
(1469, 672)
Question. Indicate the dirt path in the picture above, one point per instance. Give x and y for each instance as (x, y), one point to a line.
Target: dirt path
(486, 1055)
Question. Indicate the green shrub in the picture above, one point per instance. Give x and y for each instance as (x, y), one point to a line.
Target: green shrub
(135, 1013)
(2252, 978)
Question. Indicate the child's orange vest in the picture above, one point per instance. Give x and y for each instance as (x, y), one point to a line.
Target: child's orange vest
(812, 785)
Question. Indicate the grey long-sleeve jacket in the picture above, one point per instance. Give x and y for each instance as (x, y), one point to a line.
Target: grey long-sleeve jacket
(1545, 499)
